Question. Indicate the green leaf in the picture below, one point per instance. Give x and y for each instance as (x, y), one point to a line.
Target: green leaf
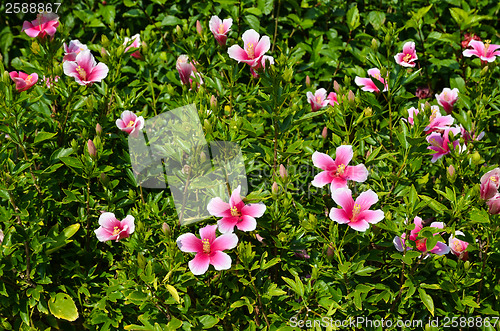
(426, 300)
(41, 136)
(353, 18)
(72, 162)
(62, 306)
(208, 321)
(173, 292)
(376, 19)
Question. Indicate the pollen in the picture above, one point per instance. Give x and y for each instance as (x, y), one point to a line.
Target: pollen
(206, 246)
(28, 79)
(356, 210)
(340, 171)
(116, 231)
(494, 179)
(81, 72)
(407, 58)
(486, 45)
(131, 123)
(250, 50)
(235, 212)
(221, 29)
(457, 246)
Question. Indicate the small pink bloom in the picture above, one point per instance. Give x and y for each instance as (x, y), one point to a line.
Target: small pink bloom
(458, 246)
(438, 122)
(73, 49)
(337, 172)
(208, 249)
(490, 182)
(367, 83)
(253, 49)
(447, 99)
(355, 213)
(318, 100)
(486, 52)
(113, 229)
(411, 113)
(440, 143)
(409, 55)
(332, 98)
(23, 81)
(187, 70)
(440, 248)
(130, 123)
(85, 69)
(220, 29)
(235, 213)
(261, 65)
(45, 24)
(467, 38)
(136, 43)
(494, 204)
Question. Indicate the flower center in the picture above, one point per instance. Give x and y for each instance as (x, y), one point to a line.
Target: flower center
(116, 231)
(250, 50)
(131, 123)
(340, 172)
(235, 212)
(206, 246)
(28, 79)
(494, 179)
(81, 72)
(486, 46)
(356, 210)
(318, 99)
(407, 58)
(457, 246)
(421, 245)
(433, 115)
(221, 29)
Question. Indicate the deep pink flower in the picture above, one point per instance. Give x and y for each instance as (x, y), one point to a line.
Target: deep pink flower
(23, 81)
(458, 246)
(45, 24)
(337, 172)
(332, 98)
(73, 49)
(130, 123)
(486, 52)
(235, 213)
(439, 143)
(113, 229)
(355, 213)
(367, 84)
(438, 122)
(253, 49)
(447, 99)
(490, 182)
(136, 43)
(208, 249)
(317, 100)
(494, 204)
(468, 37)
(408, 57)
(261, 65)
(85, 69)
(187, 70)
(220, 29)
(440, 248)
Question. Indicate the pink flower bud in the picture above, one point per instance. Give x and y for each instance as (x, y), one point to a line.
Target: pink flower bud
(165, 228)
(283, 172)
(494, 204)
(91, 149)
(98, 129)
(275, 188)
(330, 252)
(336, 87)
(351, 98)
(308, 81)
(199, 29)
(213, 101)
(451, 170)
(324, 133)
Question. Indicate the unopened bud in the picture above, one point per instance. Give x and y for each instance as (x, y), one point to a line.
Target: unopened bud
(203, 157)
(275, 188)
(199, 29)
(178, 30)
(6, 78)
(98, 129)
(91, 149)
(330, 252)
(186, 169)
(374, 44)
(104, 41)
(283, 172)
(368, 111)
(351, 98)
(336, 87)
(104, 53)
(451, 170)
(324, 133)
(35, 48)
(484, 71)
(74, 145)
(165, 228)
(213, 101)
(308, 81)
(104, 179)
(476, 158)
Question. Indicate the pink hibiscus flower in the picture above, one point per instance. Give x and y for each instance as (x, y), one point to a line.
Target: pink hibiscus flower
(235, 213)
(85, 69)
(490, 182)
(411, 113)
(113, 229)
(440, 248)
(447, 99)
(355, 213)
(23, 81)
(318, 100)
(440, 143)
(494, 204)
(187, 70)
(253, 49)
(437, 121)
(45, 24)
(458, 246)
(408, 57)
(337, 172)
(130, 123)
(136, 43)
(367, 84)
(220, 29)
(332, 98)
(209, 249)
(73, 49)
(486, 52)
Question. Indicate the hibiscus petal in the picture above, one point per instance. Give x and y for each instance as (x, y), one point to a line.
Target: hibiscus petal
(343, 198)
(322, 179)
(86, 60)
(235, 200)
(98, 73)
(323, 161)
(357, 173)
(250, 37)
(372, 216)
(237, 53)
(343, 155)
(254, 209)
(219, 208)
(103, 234)
(263, 46)
(366, 84)
(220, 261)
(226, 224)
(247, 223)
(69, 68)
(120, 124)
(189, 243)
(367, 199)
(398, 243)
(360, 225)
(339, 215)
(107, 220)
(225, 241)
(409, 47)
(208, 232)
(440, 248)
(129, 222)
(199, 265)
(338, 182)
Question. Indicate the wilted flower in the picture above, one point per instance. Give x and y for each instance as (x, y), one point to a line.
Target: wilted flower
(85, 69)
(490, 182)
(337, 172)
(458, 246)
(45, 24)
(485, 51)
(23, 81)
(235, 213)
(355, 213)
(408, 57)
(113, 229)
(468, 37)
(423, 92)
(208, 249)
(447, 99)
(73, 49)
(440, 248)
(254, 48)
(220, 29)
(130, 123)
(317, 100)
(412, 111)
(367, 84)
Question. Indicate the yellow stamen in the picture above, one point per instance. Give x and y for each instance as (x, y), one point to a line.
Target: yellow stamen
(433, 115)
(235, 212)
(116, 231)
(494, 179)
(250, 51)
(407, 58)
(318, 99)
(340, 170)
(81, 72)
(131, 123)
(206, 246)
(28, 79)
(221, 29)
(356, 210)
(486, 45)
(457, 246)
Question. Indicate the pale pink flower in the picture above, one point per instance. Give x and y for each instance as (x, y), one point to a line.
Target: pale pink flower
(337, 172)
(332, 98)
(261, 65)
(411, 113)
(113, 229)
(486, 52)
(440, 143)
(408, 57)
(367, 84)
(235, 213)
(136, 43)
(85, 69)
(130, 123)
(438, 122)
(73, 49)
(23, 81)
(490, 182)
(220, 29)
(458, 246)
(494, 204)
(187, 70)
(440, 248)
(253, 49)
(356, 214)
(209, 249)
(447, 99)
(45, 24)
(318, 100)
